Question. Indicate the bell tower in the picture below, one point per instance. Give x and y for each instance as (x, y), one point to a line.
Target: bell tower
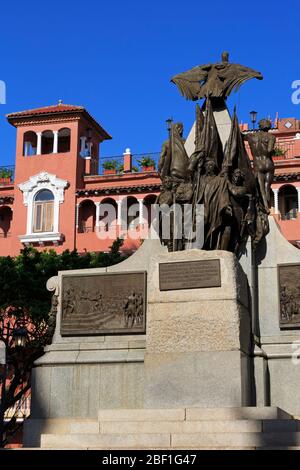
(56, 147)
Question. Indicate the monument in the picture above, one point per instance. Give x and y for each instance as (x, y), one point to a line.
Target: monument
(188, 326)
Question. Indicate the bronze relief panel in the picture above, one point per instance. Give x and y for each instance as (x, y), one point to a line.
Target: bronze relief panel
(289, 295)
(109, 303)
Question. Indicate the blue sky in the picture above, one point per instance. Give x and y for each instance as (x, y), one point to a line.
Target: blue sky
(116, 58)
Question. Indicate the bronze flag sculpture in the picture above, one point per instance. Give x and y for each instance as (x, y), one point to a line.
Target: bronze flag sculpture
(235, 197)
(214, 80)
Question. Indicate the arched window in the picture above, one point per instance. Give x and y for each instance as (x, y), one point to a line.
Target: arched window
(5, 221)
(288, 202)
(132, 211)
(43, 211)
(149, 214)
(64, 140)
(47, 142)
(87, 216)
(29, 143)
(108, 213)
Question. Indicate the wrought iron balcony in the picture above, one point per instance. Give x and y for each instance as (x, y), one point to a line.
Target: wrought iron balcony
(115, 164)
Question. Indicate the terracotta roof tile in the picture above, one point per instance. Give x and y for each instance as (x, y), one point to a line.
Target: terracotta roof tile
(56, 108)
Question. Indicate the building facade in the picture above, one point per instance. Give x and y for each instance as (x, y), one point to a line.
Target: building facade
(56, 197)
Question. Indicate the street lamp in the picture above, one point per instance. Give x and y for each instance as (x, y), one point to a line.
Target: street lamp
(169, 123)
(20, 337)
(253, 115)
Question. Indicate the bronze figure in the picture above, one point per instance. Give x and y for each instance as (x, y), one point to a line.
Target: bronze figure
(213, 80)
(262, 145)
(176, 182)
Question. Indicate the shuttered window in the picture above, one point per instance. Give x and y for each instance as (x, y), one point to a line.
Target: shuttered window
(43, 212)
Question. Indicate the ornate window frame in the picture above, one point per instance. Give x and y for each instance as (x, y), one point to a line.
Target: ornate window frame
(30, 188)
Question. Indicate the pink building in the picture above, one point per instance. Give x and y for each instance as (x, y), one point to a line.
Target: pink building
(55, 197)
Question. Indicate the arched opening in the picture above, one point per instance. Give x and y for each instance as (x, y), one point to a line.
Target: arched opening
(132, 211)
(47, 142)
(5, 221)
(87, 216)
(29, 143)
(64, 140)
(43, 211)
(108, 214)
(149, 214)
(288, 202)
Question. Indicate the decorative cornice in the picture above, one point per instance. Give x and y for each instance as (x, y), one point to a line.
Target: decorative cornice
(43, 180)
(6, 200)
(118, 190)
(59, 119)
(287, 177)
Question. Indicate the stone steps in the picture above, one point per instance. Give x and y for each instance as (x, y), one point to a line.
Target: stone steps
(185, 428)
(170, 441)
(194, 414)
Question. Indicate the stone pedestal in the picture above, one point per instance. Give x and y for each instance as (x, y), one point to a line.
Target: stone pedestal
(198, 341)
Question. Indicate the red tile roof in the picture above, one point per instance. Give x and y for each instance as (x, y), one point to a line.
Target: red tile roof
(56, 108)
(59, 108)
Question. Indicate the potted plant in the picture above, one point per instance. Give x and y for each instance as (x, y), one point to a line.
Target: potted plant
(5, 175)
(147, 163)
(110, 167)
(120, 169)
(279, 152)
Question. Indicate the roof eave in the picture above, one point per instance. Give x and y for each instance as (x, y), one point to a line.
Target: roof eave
(14, 118)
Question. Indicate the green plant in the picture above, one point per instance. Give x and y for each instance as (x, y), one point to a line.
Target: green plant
(5, 173)
(110, 165)
(25, 302)
(120, 169)
(146, 161)
(278, 152)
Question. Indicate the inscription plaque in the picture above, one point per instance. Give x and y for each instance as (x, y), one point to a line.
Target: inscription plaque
(110, 303)
(289, 295)
(189, 274)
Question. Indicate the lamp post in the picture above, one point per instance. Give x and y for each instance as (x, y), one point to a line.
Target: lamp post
(253, 116)
(169, 123)
(19, 339)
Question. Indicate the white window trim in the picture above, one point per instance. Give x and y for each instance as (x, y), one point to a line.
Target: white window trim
(30, 188)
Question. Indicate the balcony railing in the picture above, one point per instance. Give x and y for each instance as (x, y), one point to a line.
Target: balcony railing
(284, 149)
(117, 163)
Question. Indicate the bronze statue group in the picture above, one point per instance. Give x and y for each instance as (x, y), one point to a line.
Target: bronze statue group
(235, 193)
